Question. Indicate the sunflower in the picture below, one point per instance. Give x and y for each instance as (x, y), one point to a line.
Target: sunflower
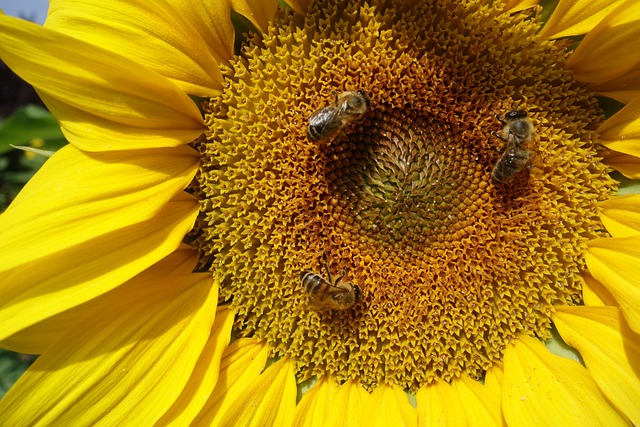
(158, 273)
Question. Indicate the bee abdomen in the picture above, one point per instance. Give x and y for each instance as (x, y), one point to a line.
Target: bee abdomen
(509, 165)
(311, 282)
(315, 133)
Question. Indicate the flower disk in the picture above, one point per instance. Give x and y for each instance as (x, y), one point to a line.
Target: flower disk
(451, 266)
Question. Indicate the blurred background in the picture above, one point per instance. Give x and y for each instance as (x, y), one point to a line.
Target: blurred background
(32, 10)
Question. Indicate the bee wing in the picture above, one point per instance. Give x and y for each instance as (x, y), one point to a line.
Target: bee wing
(330, 300)
(322, 115)
(324, 122)
(339, 290)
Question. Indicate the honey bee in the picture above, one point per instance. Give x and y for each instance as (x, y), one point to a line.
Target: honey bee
(347, 107)
(332, 294)
(517, 133)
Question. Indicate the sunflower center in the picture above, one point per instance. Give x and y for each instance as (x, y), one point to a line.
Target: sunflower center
(400, 202)
(393, 173)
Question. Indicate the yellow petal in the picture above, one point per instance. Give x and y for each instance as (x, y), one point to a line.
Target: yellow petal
(439, 405)
(575, 17)
(624, 88)
(594, 294)
(481, 403)
(541, 388)
(37, 338)
(610, 350)
(182, 40)
(87, 223)
(388, 406)
(259, 12)
(493, 379)
(212, 20)
(316, 404)
(329, 404)
(269, 400)
(348, 405)
(102, 100)
(89, 195)
(241, 364)
(126, 363)
(32, 295)
(205, 374)
(628, 165)
(615, 263)
(518, 5)
(611, 48)
(621, 132)
(621, 215)
(300, 6)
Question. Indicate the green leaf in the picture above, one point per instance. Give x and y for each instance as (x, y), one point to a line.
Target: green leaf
(12, 365)
(243, 27)
(627, 185)
(556, 345)
(29, 123)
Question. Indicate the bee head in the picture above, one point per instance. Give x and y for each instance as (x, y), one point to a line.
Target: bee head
(515, 114)
(365, 96)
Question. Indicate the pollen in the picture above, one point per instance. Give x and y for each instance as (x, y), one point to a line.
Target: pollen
(451, 265)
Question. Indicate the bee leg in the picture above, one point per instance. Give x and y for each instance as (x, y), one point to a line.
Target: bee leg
(500, 137)
(497, 135)
(335, 96)
(325, 262)
(500, 119)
